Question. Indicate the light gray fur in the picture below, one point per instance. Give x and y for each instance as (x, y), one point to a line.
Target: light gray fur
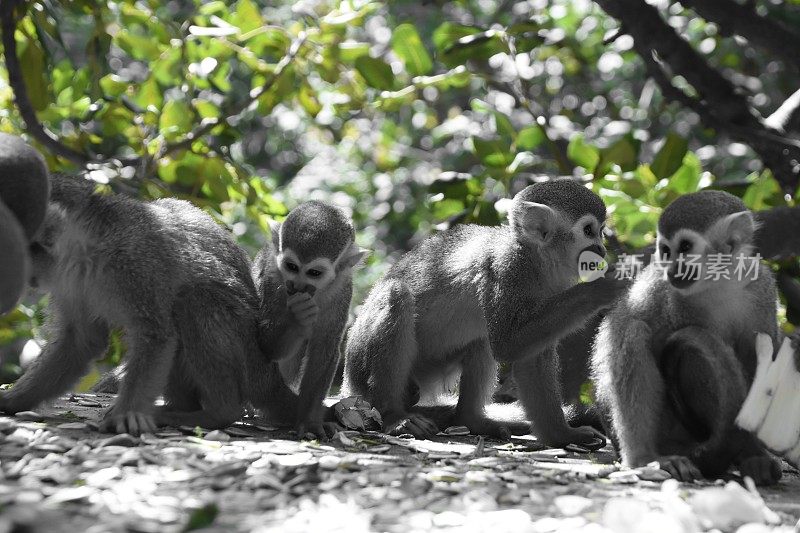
(719, 324)
(174, 280)
(698, 211)
(312, 230)
(466, 298)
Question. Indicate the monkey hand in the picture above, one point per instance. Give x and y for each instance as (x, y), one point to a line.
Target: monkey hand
(7, 404)
(417, 425)
(679, 467)
(317, 429)
(304, 309)
(763, 469)
(127, 421)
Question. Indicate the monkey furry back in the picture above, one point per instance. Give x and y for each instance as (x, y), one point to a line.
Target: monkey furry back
(166, 273)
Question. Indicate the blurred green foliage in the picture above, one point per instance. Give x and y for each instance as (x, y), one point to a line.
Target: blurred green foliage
(412, 116)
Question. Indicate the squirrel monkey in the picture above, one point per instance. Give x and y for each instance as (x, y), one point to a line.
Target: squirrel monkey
(674, 359)
(24, 189)
(172, 278)
(472, 296)
(304, 282)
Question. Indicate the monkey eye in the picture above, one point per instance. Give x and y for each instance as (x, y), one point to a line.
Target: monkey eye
(665, 251)
(291, 267)
(684, 246)
(588, 230)
(314, 273)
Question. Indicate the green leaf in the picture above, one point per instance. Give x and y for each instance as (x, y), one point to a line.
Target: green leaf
(202, 517)
(687, 178)
(138, 46)
(492, 152)
(447, 208)
(457, 44)
(33, 72)
(247, 16)
(670, 158)
(583, 154)
(624, 153)
(408, 46)
(529, 138)
(350, 51)
(175, 119)
(760, 193)
(308, 100)
(376, 72)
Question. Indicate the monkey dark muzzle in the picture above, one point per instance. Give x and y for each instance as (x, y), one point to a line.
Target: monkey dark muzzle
(293, 288)
(680, 275)
(595, 248)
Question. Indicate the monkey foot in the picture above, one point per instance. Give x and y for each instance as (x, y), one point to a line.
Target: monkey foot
(132, 422)
(486, 427)
(416, 425)
(584, 436)
(7, 405)
(764, 470)
(679, 467)
(317, 430)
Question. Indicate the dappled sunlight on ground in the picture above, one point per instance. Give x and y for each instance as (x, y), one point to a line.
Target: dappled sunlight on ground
(59, 474)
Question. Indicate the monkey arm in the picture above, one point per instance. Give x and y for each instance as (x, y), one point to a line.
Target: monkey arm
(630, 382)
(280, 340)
(550, 320)
(323, 358)
(538, 387)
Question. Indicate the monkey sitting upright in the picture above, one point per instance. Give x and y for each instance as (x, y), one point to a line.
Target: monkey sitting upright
(304, 282)
(673, 361)
(172, 278)
(474, 295)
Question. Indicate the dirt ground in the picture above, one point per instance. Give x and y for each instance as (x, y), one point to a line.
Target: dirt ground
(60, 474)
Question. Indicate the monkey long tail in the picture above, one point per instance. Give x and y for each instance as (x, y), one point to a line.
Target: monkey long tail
(512, 416)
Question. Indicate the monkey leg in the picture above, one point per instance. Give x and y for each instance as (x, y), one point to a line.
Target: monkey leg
(62, 362)
(478, 378)
(539, 392)
(381, 352)
(151, 350)
(207, 381)
(705, 386)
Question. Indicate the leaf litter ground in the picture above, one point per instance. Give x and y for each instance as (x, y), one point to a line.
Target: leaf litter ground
(60, 474)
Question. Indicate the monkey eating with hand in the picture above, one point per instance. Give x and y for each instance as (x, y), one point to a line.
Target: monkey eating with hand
(304, 282)
(472, 296)
(674, 359)
(167, 274)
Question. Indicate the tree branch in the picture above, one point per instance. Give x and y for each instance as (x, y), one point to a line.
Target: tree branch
(787, 117)
(734, 18)
(8, 25)
(719, 105)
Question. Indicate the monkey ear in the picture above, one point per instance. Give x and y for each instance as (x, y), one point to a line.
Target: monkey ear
(533, 220)
(737, 229)
(353, 256)
(275, 229)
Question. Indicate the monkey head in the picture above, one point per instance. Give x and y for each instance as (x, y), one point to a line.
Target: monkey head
(314, 246)
(561, 218)
(699, 229)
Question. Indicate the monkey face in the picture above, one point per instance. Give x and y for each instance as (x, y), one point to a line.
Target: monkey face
(695, 262)
(309, 276)
(553, 232)
(317, 274)
(587, 235)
